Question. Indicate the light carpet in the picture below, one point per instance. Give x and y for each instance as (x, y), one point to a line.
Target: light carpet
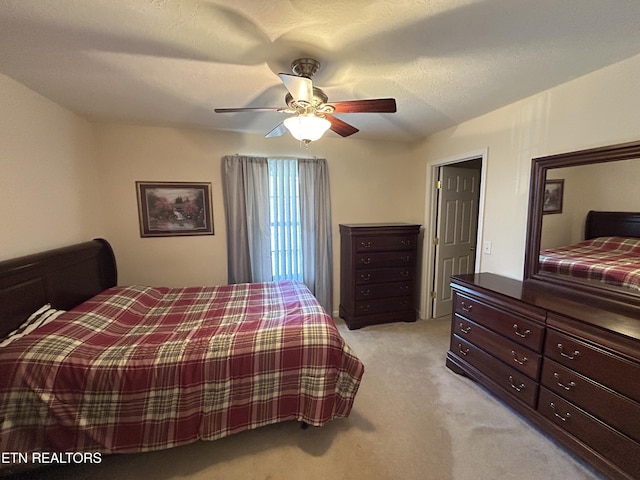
(412, 419)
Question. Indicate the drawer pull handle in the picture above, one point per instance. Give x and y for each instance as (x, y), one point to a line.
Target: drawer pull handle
(517, 388)
(464, 330)
(568, 386)
(365, 276)
(564, 417)
(365, 244)
(365, 293)
(365, 261)
(467, 307)
(517, 360)
(406, 243)
(365, 308)
(463, 351)
(524, 334)
(404, 273)
(404, 288)
(570, 356)
(405, 259)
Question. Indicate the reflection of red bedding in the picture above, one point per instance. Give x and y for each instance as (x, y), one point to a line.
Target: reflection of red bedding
(141, 368)
(611, 260)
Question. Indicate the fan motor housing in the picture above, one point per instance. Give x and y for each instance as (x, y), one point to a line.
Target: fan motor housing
(319, 97)
(305, 67)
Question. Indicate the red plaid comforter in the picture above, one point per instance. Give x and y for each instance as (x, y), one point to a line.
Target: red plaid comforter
(612, 260)
(141, 368)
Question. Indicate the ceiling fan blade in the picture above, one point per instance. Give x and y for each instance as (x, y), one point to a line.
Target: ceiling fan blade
(341, 128)
(300, 88)
(256, 109)
(378, 105)
(276, 132)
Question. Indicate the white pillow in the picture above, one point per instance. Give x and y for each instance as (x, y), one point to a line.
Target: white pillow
(40, 317)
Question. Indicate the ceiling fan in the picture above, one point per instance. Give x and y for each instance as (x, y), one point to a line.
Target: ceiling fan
(312, 113)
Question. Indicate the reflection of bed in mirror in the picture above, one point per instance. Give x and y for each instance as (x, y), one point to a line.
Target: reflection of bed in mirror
(609, 254)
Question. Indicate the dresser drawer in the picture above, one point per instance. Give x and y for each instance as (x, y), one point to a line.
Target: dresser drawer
(384, 242)
(384, 290)
(384, 305)
(516, 328)
(387, 259)
(510, 379)
(383, 275)
(607, 405)
(598, 364)
(513, 354)
(616, 447)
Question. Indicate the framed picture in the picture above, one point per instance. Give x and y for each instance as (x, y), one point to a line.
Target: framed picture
(553, 191)
(169, 209)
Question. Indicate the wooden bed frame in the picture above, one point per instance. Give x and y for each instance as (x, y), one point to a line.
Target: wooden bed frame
(64, 277)
(612, 224)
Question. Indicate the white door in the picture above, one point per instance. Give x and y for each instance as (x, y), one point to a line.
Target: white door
(456, 231)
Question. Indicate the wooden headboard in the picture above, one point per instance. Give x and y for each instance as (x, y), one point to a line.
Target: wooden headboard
(612, 224)
(64, 277)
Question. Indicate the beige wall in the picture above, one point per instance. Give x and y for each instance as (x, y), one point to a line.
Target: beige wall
(598, 109)
(602, 186)
(65, 180)
(48, 178)
(370, 182)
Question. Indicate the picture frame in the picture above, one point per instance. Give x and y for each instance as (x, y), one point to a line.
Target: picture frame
(553, 193)
(171, 209)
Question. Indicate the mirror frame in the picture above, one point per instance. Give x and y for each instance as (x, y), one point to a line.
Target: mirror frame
(566, 285)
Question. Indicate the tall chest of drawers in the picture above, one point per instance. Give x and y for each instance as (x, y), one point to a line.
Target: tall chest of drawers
(378, 273)
(571, 369)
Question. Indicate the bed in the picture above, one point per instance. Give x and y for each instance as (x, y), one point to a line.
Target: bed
(129, 369)
(610, 253)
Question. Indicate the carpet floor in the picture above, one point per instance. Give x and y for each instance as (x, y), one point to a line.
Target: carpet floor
(413, 418)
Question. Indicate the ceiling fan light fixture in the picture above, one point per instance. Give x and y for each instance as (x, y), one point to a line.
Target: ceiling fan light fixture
(307, 128)
(312, 115)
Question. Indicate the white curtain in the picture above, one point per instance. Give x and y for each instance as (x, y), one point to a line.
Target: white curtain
(246, 183)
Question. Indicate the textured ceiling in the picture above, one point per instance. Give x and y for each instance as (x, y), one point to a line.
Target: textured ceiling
(170, 62)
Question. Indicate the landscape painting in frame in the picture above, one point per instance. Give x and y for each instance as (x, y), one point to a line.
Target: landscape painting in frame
(553, 193)
(169, 209)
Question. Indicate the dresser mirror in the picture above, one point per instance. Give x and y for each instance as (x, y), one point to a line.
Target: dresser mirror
(564, 189)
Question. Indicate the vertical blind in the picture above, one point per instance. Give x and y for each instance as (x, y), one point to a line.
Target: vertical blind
(284, 212)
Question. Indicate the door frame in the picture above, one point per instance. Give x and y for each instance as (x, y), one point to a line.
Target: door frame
(430, 219)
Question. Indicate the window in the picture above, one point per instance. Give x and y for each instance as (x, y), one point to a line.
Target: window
(278, 218)
(284, 220)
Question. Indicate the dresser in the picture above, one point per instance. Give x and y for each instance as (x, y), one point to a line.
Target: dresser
(378, 273)
(571, 369)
